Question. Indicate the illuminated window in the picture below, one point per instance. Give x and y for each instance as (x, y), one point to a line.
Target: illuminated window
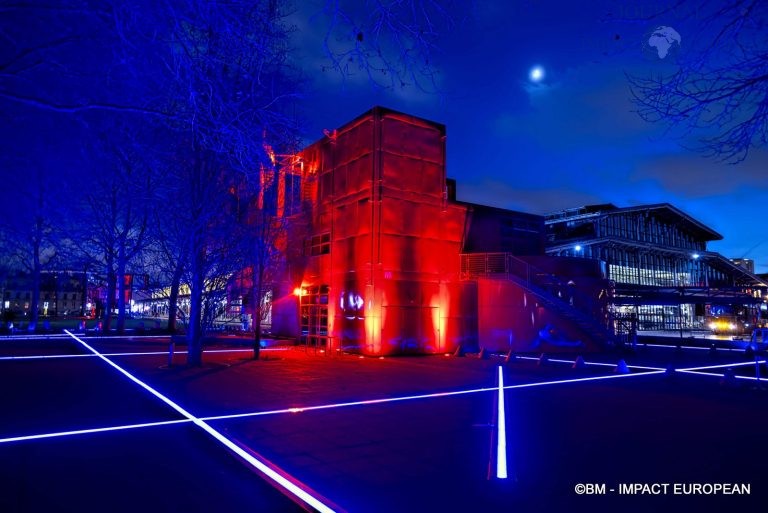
(317, 245)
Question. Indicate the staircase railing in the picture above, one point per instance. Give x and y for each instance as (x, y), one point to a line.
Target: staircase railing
(553, 290)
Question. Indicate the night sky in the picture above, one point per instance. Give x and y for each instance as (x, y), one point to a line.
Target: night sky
(568, 140)
(572, 139)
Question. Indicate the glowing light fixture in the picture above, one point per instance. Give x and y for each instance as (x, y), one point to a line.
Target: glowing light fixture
(262, 467)
(716, 375)
(599, 364)
(421, 396)
(578, 247)
(92, 430)
(146, 353)
(501, 432)
(578, 380)
(723, 366)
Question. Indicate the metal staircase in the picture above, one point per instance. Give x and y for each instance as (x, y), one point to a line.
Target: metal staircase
(551, 291)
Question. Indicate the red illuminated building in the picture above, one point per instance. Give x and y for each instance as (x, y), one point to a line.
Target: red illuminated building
(392, 263)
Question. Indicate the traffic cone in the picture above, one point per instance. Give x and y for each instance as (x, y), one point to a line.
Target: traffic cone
(579, 363)
(543, 360)
(621, 368)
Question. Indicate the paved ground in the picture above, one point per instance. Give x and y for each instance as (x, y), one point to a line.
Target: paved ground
(419, 454)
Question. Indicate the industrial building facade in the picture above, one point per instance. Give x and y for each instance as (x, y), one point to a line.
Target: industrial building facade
(384, 265)
(383, 259)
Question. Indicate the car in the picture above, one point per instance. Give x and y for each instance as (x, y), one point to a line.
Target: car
(727, 325)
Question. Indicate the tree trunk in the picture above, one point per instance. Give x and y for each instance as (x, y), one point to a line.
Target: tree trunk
(258, 292)
(121, 265)
(109, 304)
(173, 299)
(256, 336)
(84, 294)
(36, 279)
(195, 329)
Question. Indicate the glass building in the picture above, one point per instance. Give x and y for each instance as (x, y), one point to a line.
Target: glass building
(657, 260)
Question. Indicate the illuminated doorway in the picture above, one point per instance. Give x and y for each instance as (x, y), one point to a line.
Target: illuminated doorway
(314, 316)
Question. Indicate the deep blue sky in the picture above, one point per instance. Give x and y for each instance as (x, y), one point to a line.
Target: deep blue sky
(568, 141)
(573, 139)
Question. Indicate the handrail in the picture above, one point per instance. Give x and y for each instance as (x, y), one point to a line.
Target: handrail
(547, 285)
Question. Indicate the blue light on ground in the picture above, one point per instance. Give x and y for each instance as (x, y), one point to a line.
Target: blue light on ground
(501, 431)
(288, 484)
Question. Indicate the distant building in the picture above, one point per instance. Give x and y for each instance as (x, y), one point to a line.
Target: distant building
(746, 263)
(657, 258)
(62, 293)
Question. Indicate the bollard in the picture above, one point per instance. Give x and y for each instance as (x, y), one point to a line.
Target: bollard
(729, 378)
(171, 348)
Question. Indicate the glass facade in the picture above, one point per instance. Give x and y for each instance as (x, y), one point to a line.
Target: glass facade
(654, 254)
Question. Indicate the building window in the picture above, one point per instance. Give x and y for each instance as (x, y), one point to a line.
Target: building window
(317, 245)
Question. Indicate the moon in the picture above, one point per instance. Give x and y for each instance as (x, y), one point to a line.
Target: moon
(536, 74)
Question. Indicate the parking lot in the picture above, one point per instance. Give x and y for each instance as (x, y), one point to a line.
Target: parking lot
(370, 434)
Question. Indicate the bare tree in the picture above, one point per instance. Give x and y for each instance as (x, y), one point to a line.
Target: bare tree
(30, 236)
(719, 91)
(223, 79)
(391, 44)
(113, 222)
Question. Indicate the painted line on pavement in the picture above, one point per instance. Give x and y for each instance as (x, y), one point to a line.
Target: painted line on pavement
(501, 431)
(287, 484)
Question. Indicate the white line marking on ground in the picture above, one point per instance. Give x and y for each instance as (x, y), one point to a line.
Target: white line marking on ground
(501, 431)
(92, 430)
(146, 353)
(723, 366)
(600, 364)
(701, 373)
(262, 467)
